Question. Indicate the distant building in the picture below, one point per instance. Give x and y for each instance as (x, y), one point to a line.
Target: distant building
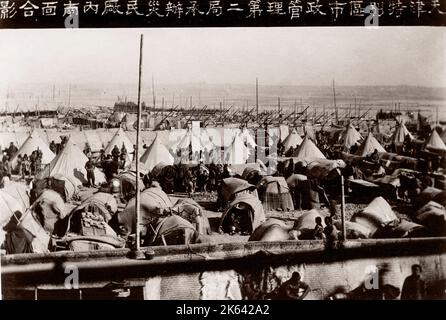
(127, 106)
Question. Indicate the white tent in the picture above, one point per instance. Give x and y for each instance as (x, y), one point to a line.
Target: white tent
(118, 139)
(191, 139)
(292, 140)
(434, 142)
(70, 162)
(155, 154)
(31, 144)
(350, 137)
(308, 150)
(369, 145)
(237, 152)
(399, 136)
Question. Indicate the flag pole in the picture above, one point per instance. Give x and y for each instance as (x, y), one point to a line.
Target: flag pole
(137, 253)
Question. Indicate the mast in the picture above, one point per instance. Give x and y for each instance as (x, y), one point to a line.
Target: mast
(69, 95)
(295, 110)
(137, 254)
(334, 101)
(153, 93)
(162, 107)
(257, 99)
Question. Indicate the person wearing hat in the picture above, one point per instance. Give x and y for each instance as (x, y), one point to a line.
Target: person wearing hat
(90, 166)
(414, 287)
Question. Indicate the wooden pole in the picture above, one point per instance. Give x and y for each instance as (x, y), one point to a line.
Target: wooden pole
(343, 209)
(162, 107)
(153, 92)
(137, 254)
(334, 101)
(257, 100)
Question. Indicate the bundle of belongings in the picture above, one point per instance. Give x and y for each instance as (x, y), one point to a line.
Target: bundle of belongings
(89, 232)
(275, 194)
(433, 216)
(379, 218)
(161, 224)
(272, 230)
(191, 211)
(86, 228)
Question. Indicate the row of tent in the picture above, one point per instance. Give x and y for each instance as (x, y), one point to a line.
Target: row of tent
(71, 160)
(350, 137)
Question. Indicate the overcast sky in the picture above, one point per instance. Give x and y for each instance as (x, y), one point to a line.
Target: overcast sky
(295, 56)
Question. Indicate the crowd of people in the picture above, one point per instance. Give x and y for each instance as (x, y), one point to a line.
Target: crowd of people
(25, 166)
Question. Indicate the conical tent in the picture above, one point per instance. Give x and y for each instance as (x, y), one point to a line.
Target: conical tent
(308, 150)
(31, 144)
(118, 139)
(350, 137)
(434, 142)
(156, 153)
(237, 152)
(197, 143)
(70, 162)
(292, 140)
(399, 136)
(368, 146)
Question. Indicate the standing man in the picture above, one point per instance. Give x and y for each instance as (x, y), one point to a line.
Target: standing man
(7, 167)
(414, 287)
(25, 167)
(89, 166)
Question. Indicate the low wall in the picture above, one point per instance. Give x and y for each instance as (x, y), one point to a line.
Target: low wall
(235, 271)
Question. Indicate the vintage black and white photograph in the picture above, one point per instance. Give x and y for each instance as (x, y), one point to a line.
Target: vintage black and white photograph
(223, 163)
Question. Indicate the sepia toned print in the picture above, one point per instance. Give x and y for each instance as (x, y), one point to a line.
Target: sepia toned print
(223, 164)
